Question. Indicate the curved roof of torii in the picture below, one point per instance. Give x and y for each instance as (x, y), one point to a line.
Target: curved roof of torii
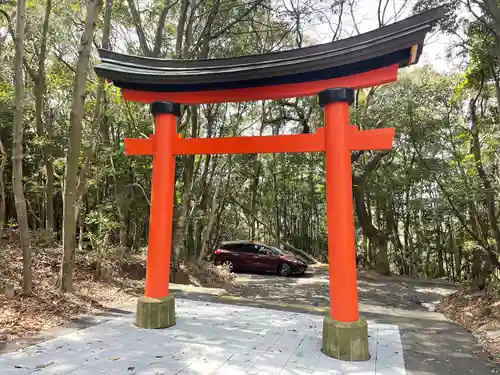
(398, 43)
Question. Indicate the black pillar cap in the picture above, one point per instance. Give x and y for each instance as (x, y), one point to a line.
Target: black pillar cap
(336, 95)
(158, 108)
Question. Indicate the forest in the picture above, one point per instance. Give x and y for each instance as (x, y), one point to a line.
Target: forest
(427, 209)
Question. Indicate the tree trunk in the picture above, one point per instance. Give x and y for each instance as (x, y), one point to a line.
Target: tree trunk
(211, 219)
(457, 252)
(120, 206)
(3, 162)
(439, 248)
(493, 9)
(81, 231)
(193, 241)
(188, 174)
(254, 194)
(178, 235)
(100, 97)
(377, 237)
(204, 201)
(181, 24)
(274, 176)
(382, 265)
(277, 233)
(40, 94)
(73, 186)
(490, 200)
(17, 150)
(479, 273)
(497, 89)
(49, 173)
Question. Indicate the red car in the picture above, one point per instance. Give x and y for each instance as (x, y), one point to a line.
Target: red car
(251, 256)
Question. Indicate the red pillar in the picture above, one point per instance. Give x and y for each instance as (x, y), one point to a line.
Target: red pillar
(339, 204)
(162, 199)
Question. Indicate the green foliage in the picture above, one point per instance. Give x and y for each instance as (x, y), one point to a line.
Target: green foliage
(102, 218)
(427, 196)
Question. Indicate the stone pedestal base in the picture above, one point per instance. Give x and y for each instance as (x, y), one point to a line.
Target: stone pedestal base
(155, 313)
(345, 341)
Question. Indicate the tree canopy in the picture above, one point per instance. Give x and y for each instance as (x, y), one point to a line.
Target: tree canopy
(429, 208)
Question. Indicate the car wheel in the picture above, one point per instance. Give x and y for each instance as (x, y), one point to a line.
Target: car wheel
(284, 270)
(229, 265)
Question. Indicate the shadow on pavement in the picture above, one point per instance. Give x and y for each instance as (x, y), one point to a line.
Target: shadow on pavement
(432, 344)
(313, 289)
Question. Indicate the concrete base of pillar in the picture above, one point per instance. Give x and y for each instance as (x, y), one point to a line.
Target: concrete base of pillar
(155, 313)
(345, 341)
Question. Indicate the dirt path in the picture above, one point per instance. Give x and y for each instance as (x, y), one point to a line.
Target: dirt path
(313, 289)
(432, 344)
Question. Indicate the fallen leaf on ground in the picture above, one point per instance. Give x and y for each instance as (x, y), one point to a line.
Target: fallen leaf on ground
(44, 365)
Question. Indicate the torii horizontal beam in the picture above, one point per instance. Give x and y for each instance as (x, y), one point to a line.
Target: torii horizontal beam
(374, 139)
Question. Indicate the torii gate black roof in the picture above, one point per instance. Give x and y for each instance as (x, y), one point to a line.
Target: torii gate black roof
(379, 48)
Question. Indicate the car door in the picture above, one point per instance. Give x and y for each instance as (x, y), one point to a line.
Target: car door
(266, 258)
(247, 254)
(235, 255)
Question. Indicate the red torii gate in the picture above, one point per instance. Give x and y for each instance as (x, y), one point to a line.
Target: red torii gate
(331, 71)
(337, 139)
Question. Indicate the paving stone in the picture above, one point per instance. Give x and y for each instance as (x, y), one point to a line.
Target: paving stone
(329, 366)
(293, 369)
(361, 368)
(207, 339)
(390, 370)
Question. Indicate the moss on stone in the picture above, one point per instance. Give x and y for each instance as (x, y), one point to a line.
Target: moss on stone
(155, 313)
(345, 341)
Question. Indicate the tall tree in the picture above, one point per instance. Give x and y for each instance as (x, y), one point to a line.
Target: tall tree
(74, 184)
(39, 110)
(17, 149)
(3, 162)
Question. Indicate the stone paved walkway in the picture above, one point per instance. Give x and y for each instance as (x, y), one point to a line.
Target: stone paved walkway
(432, 345)
(209, 338)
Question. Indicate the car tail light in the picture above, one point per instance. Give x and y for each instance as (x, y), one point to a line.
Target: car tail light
(218, 251)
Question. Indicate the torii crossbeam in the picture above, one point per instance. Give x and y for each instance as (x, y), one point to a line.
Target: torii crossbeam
(375, 139)
(331, 70)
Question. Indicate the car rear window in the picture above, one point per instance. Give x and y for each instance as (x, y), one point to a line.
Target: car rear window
(240, 247)
(230, 246)
(249, 248)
